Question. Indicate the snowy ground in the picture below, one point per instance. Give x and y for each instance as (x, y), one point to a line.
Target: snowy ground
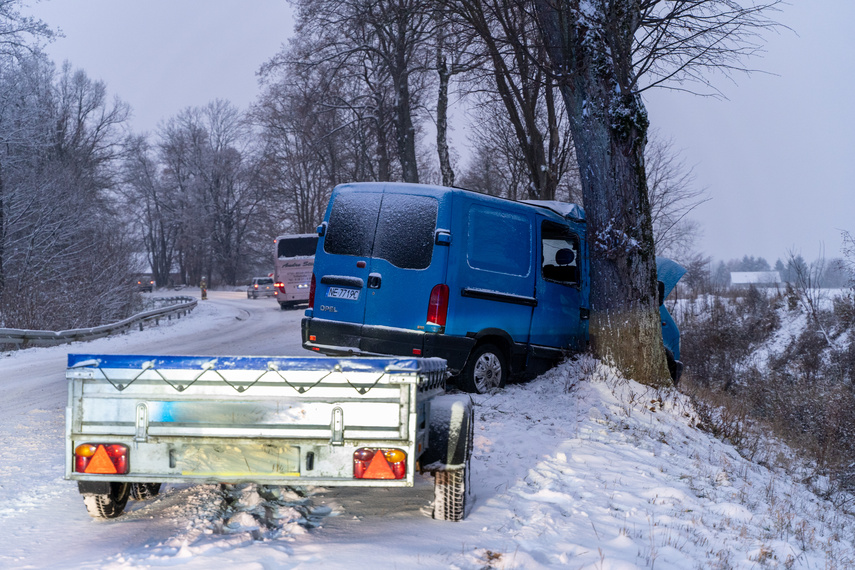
(577, 469)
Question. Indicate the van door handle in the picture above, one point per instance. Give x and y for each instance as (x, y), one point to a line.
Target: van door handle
(374, 280)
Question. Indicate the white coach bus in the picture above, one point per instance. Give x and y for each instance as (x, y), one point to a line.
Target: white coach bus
(293, 259)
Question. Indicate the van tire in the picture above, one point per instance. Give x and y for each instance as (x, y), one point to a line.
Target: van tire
(675, 368)
(486, 368)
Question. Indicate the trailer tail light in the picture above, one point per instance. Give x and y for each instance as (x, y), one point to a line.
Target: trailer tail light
(379, 463)
(101, 458)
(312, 293)
(438, 305)
(280, 286)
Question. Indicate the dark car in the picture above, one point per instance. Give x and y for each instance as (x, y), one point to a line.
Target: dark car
(145, 284)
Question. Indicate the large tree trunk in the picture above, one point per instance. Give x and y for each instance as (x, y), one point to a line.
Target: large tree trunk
(590, 53)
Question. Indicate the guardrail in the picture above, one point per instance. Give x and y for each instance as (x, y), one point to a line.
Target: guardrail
(25, 338)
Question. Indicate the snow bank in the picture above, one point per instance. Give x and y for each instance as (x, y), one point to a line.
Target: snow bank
(577, 469)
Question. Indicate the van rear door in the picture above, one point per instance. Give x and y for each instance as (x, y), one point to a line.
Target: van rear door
(342, 274)
(382, 261)
(405, 262)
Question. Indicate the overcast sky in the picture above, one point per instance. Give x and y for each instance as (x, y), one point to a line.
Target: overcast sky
(775, 157)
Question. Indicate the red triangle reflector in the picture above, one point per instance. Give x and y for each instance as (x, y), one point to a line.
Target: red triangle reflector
(378, 468)
(100, 462)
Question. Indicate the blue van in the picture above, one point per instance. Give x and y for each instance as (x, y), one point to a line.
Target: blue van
(497, 288)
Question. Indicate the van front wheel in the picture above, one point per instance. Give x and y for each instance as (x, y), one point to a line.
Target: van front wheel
(486, 369)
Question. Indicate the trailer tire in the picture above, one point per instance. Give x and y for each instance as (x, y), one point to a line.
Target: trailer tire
(144, 491)
(485, 369)
(108, 505)
(450, 450)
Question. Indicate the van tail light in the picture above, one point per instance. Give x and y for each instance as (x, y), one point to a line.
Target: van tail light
(101, 458)
(379, 463)
(312, 293)
(438, 305)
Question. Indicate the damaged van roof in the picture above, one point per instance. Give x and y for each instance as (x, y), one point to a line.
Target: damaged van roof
(570, 211)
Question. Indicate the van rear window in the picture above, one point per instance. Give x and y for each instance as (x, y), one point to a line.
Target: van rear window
(396, 227)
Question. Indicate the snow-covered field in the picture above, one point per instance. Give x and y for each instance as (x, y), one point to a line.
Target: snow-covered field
(576, 469)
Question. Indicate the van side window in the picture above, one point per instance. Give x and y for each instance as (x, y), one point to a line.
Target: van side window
(396, 227)
(560, 258)
(499, 241)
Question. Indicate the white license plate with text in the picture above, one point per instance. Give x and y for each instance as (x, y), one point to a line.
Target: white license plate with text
(343, 293)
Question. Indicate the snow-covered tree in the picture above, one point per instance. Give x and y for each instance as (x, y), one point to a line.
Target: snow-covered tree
(65, 260)
(603, 54)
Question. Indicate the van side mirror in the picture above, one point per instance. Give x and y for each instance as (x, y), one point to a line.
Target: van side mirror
(322, 229)
(442, 237)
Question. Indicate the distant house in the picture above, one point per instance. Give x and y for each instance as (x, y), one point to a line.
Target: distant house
(756, 278)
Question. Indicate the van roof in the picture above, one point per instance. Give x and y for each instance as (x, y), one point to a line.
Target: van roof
(566, 210)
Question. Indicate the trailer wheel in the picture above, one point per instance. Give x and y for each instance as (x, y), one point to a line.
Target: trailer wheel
(144, 491)
(109, 505)
(485, 369)
(451, 488)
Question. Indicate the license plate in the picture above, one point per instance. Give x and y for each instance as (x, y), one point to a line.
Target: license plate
(342, 293)
(233, 460)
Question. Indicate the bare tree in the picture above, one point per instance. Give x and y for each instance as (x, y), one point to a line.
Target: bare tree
(499, 166)
(673, 196)
(157, 221)
(601, 51)
(806, 286)
(311, 143)
(384, 42)
(212, 171)
(454, 56)
(510, 43)
(848, 261)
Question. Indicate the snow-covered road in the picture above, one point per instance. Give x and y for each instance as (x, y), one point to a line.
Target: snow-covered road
(576, 469)
(43, 522)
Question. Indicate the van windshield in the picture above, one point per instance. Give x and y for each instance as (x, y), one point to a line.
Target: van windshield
(396, 227)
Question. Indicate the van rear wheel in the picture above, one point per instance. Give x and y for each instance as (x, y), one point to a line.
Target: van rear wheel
(486, 369)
